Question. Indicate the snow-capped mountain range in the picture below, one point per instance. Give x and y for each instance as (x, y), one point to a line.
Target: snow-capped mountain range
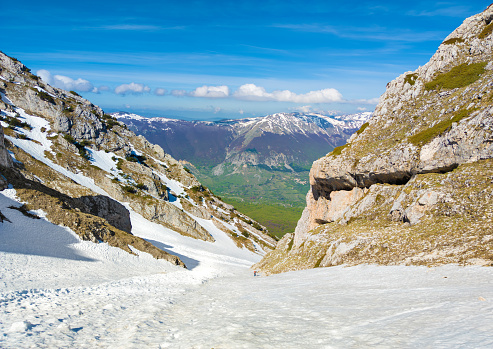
(275, 140)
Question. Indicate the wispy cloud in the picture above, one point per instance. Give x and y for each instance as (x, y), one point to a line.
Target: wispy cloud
(135, 27)
(453, 11)
(367, 33)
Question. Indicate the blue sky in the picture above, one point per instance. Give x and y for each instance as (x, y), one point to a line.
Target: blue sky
(227, 59)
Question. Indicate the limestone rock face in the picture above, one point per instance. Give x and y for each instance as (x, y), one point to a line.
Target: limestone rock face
(430, 127)
(171, 216)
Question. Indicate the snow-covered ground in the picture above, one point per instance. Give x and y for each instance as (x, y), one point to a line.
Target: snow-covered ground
(59, 292)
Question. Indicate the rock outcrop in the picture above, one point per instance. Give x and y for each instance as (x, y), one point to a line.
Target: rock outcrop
(5, 159)
(398, 192)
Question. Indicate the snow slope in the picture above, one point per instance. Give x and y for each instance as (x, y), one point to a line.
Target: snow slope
(86, 299)
(57, 291)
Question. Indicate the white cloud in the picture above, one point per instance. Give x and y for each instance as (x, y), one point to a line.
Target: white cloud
(211, 91)
(160, 91)
(241, 111)
(131, 88)
(362, 109)
(103, 88)
(258, 93)
(65, 82)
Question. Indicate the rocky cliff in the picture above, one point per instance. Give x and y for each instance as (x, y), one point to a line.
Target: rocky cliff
(79, 165)
(414, 184)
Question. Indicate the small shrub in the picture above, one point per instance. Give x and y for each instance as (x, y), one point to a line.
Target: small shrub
(68, 110)
(85, 143)
(411, 79)
(119, 164)
(141, 186)
(187, 170)
(257, 226)
(197, 188)
(80, 146)
(83, 152)
(362, 128)
(453, 41)
(14, 122)
(337, 151)
(319, 261)
(136, 158)
(25, 211)
(486, 31)
(46, 97)
(69, 138)
(75, 93)
(111, 123)
(129, 189)
(459, 76)
(290, 245)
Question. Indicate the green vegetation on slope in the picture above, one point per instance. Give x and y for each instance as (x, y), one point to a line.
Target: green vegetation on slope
(278, 219)
(337, 151)
(453, 41)
(428, 134)
(459, 76)
(486, 31)
(411, 79)
(273, 198)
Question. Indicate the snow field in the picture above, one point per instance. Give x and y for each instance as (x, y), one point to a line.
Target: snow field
(358, 307)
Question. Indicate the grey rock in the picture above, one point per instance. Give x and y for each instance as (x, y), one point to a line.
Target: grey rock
(5, 159)
(102, 206)
(171, 216)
